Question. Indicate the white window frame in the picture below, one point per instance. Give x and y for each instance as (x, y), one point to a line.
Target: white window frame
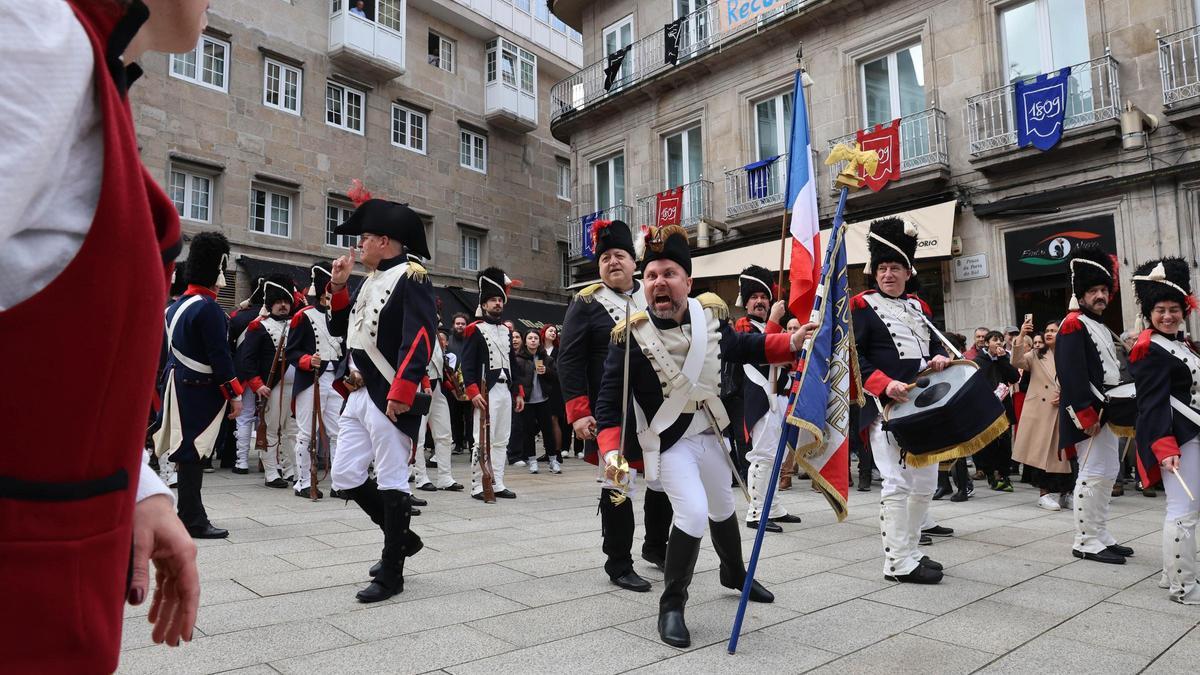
(284, 71)
(346, 93)
(564, 263)
(409, 115)
(445, 45)
(683, 142)
(475, 140)
(465, 234)
(1046, 49)
(893, 79)
(610, 162)
(564, 179)
(782, 128)
(270, 192)
(344, 209)
(191, 180)
(198, 63)
(615, 27)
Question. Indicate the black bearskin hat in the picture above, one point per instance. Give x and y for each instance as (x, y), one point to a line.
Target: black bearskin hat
(179, 279)
(1161, 280)
(319, 275)
(278, 287)
(1092, 267)
(754, 279)
(494, 283)
(668, 243)
(892, 240)
(207, 257)
(608, 234)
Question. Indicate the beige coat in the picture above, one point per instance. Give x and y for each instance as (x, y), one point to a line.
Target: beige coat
(1036, 442)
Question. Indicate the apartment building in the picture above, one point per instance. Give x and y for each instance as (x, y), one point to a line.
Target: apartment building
(698, 96)
(442, 104)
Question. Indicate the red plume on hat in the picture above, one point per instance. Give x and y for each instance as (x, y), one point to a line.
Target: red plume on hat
(597, 225)
(357, 193)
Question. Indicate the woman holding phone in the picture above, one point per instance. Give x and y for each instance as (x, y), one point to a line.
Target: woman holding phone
(539, 415)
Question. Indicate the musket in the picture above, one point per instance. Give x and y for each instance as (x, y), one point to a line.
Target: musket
(621, 483)
(260, 440)
(486, 476)
(319, 437)
(454, 378)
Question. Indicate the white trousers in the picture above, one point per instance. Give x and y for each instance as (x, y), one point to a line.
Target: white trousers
(500, 412)
(904, 502)
(246, 421)
(696, 478)
(331, 406)
(281, 431)
(764, 443)
(438, 420)
(1100, 462)
(366, 435)
(1179, 505)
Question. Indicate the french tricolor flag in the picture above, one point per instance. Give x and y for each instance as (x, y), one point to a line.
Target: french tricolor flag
(805, 268)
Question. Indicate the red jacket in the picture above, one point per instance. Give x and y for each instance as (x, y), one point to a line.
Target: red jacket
(87, 376)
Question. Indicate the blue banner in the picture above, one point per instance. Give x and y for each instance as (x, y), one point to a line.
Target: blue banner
(1040, 108)
(589, 242)
(758, 177)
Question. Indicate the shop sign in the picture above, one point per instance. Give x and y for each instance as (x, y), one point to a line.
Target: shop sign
(1043, 251)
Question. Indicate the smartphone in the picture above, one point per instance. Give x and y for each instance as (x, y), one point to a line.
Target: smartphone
(1028, 318)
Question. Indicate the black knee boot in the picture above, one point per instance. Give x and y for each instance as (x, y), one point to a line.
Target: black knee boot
(962, 479)
(727, 542)
(397, 514)
(943, 485)
(370, 500)
(658, 527)
(682, 551)
(616, 527)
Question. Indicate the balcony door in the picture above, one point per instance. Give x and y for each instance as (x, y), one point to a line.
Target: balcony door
(684, 156)
(697, 30)
(772, 129)
(608, 182)
(617, 37)
(1040, 36)
(894, 86)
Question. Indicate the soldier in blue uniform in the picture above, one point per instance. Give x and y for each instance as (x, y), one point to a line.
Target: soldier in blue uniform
(487, 362)
(764, 395)
(389, 327)
(675, 349)
(894, 341)
(1166, 368)
(587, 331)
(248, 310)
(272, 382)
(198, 381)
(314, 353)
(1089, 359)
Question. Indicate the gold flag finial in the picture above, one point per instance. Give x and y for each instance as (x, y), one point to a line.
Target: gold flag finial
(854, 157)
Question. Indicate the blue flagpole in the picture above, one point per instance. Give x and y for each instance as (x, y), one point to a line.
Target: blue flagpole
(780, 450)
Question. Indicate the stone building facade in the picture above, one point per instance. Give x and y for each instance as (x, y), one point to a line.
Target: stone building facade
(440, 104)
(996, 219)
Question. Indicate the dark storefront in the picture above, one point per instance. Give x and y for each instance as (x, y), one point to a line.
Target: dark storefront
(1036, 261)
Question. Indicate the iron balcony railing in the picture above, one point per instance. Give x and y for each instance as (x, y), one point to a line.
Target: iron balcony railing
(622, 212)
(762, 186)
(922, 143)
(697, 32)
(1179, 63)
(1094, 96)
(695, 204)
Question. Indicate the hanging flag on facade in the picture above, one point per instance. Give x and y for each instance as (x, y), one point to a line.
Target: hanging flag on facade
(1040, 108)
(589, 244)
(818, 425)
(671, 41)
(758, 178)
(613, 68)
(884, 139)
(667, 207)
(802, 202)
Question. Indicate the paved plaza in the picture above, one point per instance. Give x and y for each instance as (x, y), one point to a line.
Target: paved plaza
(517, 587)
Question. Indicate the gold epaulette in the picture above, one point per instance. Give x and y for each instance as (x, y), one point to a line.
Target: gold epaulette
(416, 271)
(715, 303)
(618, 331)
(586, 292)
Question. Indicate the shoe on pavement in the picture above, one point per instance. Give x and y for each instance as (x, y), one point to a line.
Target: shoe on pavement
(453, 487)
(925, 540)
(630, 581)
(1104, 556)
(533, 466)
(303, 492)
(427, 487)
(419, 502)
(555, 467)
(241, 470)
(1120, 550)
(1066, 501)
(277, 483)
(959, 496)
(785, 518)
(930, 563)
(920, 575)
(1049, 503)
(519, 462)
(208, 532)
(939, 531)
(506, 494)
(771, 527)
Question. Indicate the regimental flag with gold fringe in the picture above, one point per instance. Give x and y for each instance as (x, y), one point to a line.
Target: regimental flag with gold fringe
(817, 425)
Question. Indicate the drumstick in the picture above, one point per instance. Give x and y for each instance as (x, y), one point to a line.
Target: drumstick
(921, 382)
(1185, 487)
(1086, 452)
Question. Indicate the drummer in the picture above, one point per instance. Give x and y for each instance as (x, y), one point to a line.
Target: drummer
(894, 344)
(1164, 366)
(1088, 358)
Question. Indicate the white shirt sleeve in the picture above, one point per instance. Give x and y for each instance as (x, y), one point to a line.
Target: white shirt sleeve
(149, 484)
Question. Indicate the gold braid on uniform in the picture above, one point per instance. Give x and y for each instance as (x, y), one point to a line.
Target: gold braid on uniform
(715, 303)
(618, 331)
(416, 271)
(586, 292)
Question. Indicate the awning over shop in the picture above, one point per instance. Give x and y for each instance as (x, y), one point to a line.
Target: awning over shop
(935, 229)
(525, 313)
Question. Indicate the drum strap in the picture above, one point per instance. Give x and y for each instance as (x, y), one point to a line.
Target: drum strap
(953, 350)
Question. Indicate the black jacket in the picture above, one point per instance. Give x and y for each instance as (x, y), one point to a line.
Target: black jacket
(999, 371)
(1161, 375)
